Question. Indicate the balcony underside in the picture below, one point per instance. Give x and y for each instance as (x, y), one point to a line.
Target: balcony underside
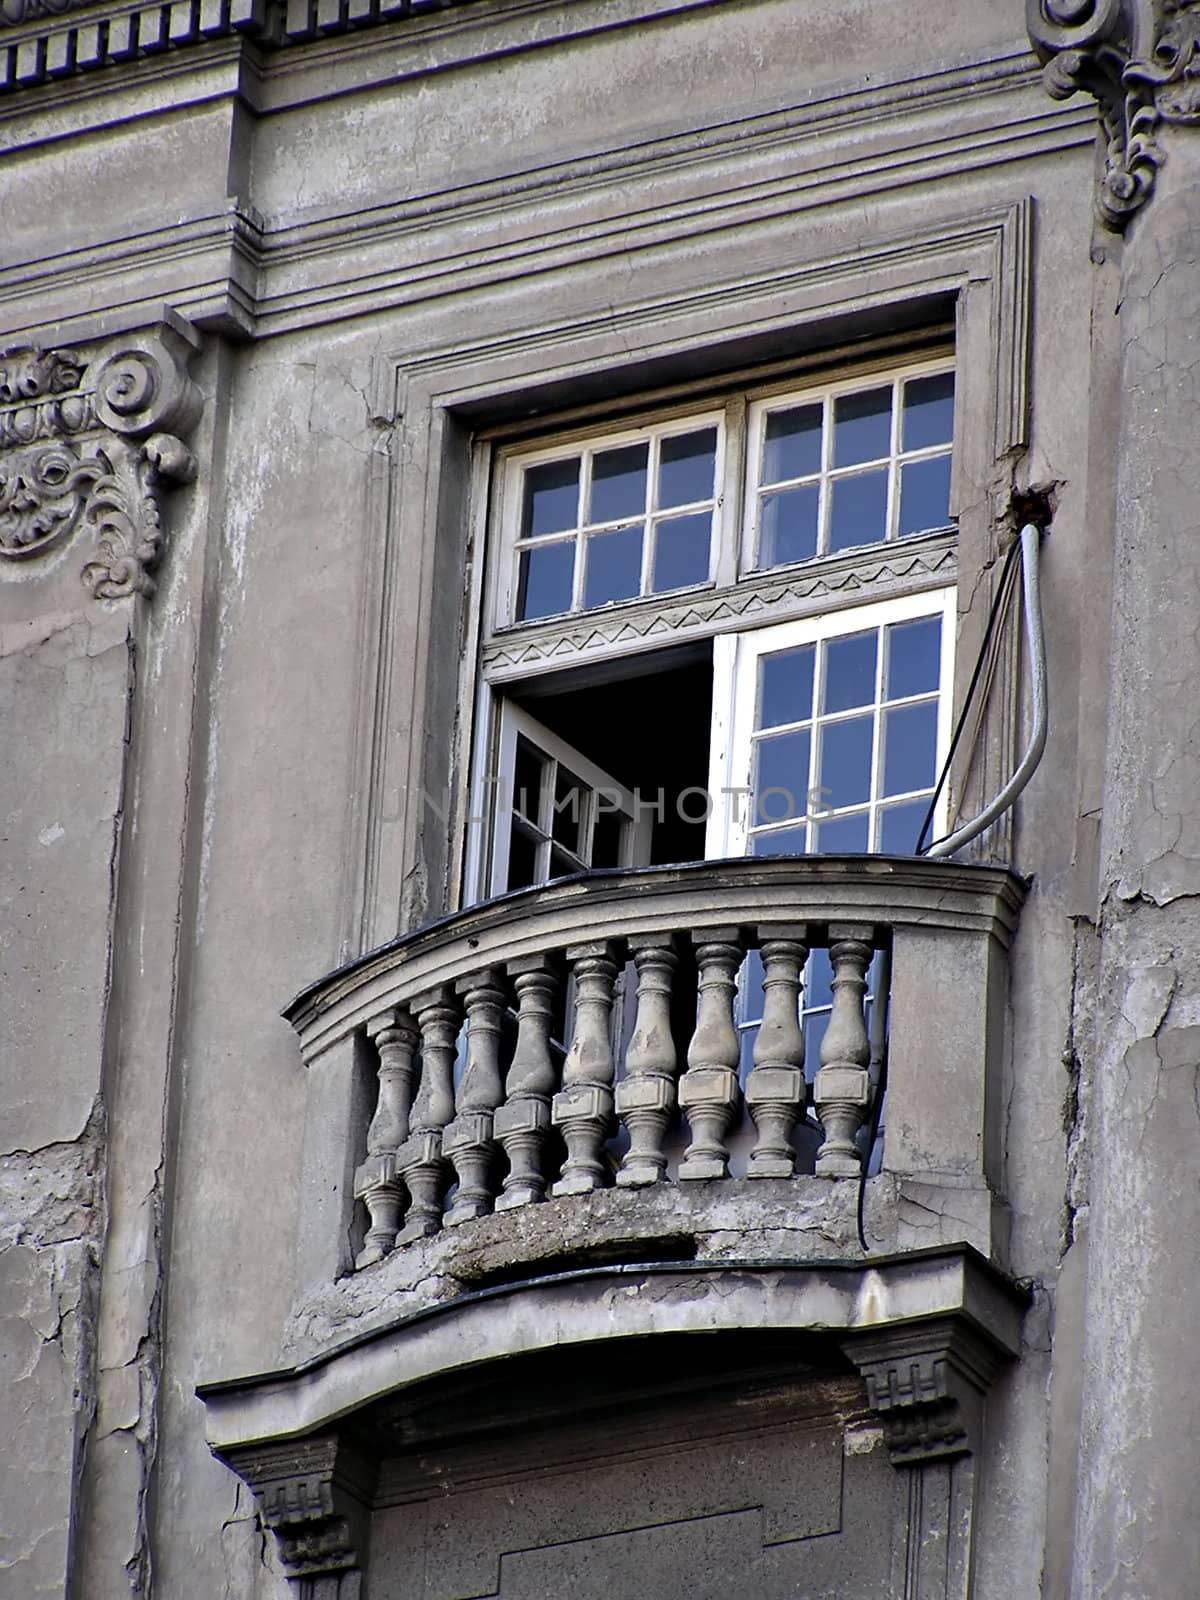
(942, 1296)
(860, 1363)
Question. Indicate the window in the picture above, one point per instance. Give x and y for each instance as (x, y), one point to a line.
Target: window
(702, 637)
(836, 730)
(627, 516)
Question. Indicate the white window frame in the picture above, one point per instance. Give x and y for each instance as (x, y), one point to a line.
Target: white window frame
(735, 692)
(739, 420)
(827, 395)
(514, 464)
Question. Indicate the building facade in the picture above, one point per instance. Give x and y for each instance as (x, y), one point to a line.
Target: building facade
(521, 525)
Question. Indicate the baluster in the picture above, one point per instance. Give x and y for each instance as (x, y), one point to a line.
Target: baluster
(467, 1142)
(375, 1182)
(583, 1107)
(522, 1123)
(646, 1096)
(708, 1091)
(775, 1089)
(420, 1159)
(841, 1090)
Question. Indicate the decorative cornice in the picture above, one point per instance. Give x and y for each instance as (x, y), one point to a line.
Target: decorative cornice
(1140, 59)
(863, 575)
(89, 443)
(46, 44)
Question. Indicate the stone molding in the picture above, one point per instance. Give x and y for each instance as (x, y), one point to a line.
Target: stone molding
(88, 443)
(927, 1385)
(517, 650)
(928, 1331)
(1140, 59)
(312, 1495)
(897, 892)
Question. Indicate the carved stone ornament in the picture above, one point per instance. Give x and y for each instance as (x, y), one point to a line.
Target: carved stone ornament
(1140, 59)
(927, 1382)
(87, 444)
(312, 1494)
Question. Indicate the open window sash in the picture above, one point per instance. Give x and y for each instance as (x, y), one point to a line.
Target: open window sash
(829, 732)
(553, 812)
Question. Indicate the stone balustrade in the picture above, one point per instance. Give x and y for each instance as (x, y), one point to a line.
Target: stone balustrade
(586, 1035)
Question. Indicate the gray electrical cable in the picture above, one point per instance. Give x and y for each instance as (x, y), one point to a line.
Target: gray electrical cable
(1030, 575)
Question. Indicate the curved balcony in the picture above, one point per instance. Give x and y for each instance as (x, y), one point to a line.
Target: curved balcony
(587, 1036)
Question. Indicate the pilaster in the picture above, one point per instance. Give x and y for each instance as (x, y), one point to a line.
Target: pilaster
(1139, 1451)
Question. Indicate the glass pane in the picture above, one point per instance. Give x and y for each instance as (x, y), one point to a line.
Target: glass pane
(910, 748)
(685, 467)
(928, 411)
(792, 444)
(607, 839)
(924, 495)
(845, 770)
(788, 526)
(914, 657)
(862, 427)
(815, 1028)
(569, 798)
(900, 827)
(614, 567)
(527, 780)
(849, 672)
(781, 778)
(619, 483)
(785, 687)
(818, 981)
(844, 835)
(780, 842)
(551, 498)
(561, 864)
(681, 551)
(545, 580)
(522, 859)
(750, 988)
(858, 511)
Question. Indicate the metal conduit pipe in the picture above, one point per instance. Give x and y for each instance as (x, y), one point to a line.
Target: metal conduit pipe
(1035, 635)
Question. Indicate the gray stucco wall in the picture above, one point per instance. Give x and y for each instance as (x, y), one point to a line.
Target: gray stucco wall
(210, 795)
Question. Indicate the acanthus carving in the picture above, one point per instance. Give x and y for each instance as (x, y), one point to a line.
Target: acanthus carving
(42, 492)
(91, 443)
(1140, 60)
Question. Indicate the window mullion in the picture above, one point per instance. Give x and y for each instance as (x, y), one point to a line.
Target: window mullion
(735, 495)
(876, 741)
(585, 496)
(825, 495)
(649, 508)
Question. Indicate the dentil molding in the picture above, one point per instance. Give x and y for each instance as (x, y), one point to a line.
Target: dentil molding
(1140, 59)
(88, 443)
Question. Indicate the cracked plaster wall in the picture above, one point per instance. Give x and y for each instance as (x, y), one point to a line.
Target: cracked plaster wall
(1136, 1530)
(64, 688)
(274, 802)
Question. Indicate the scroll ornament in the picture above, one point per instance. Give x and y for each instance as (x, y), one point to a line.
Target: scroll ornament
(89, 446)
(1140, 59)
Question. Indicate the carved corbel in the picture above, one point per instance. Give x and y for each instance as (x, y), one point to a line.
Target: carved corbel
(926, 1382)
(88, 443)
(313, 1495)
(1140, 60)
